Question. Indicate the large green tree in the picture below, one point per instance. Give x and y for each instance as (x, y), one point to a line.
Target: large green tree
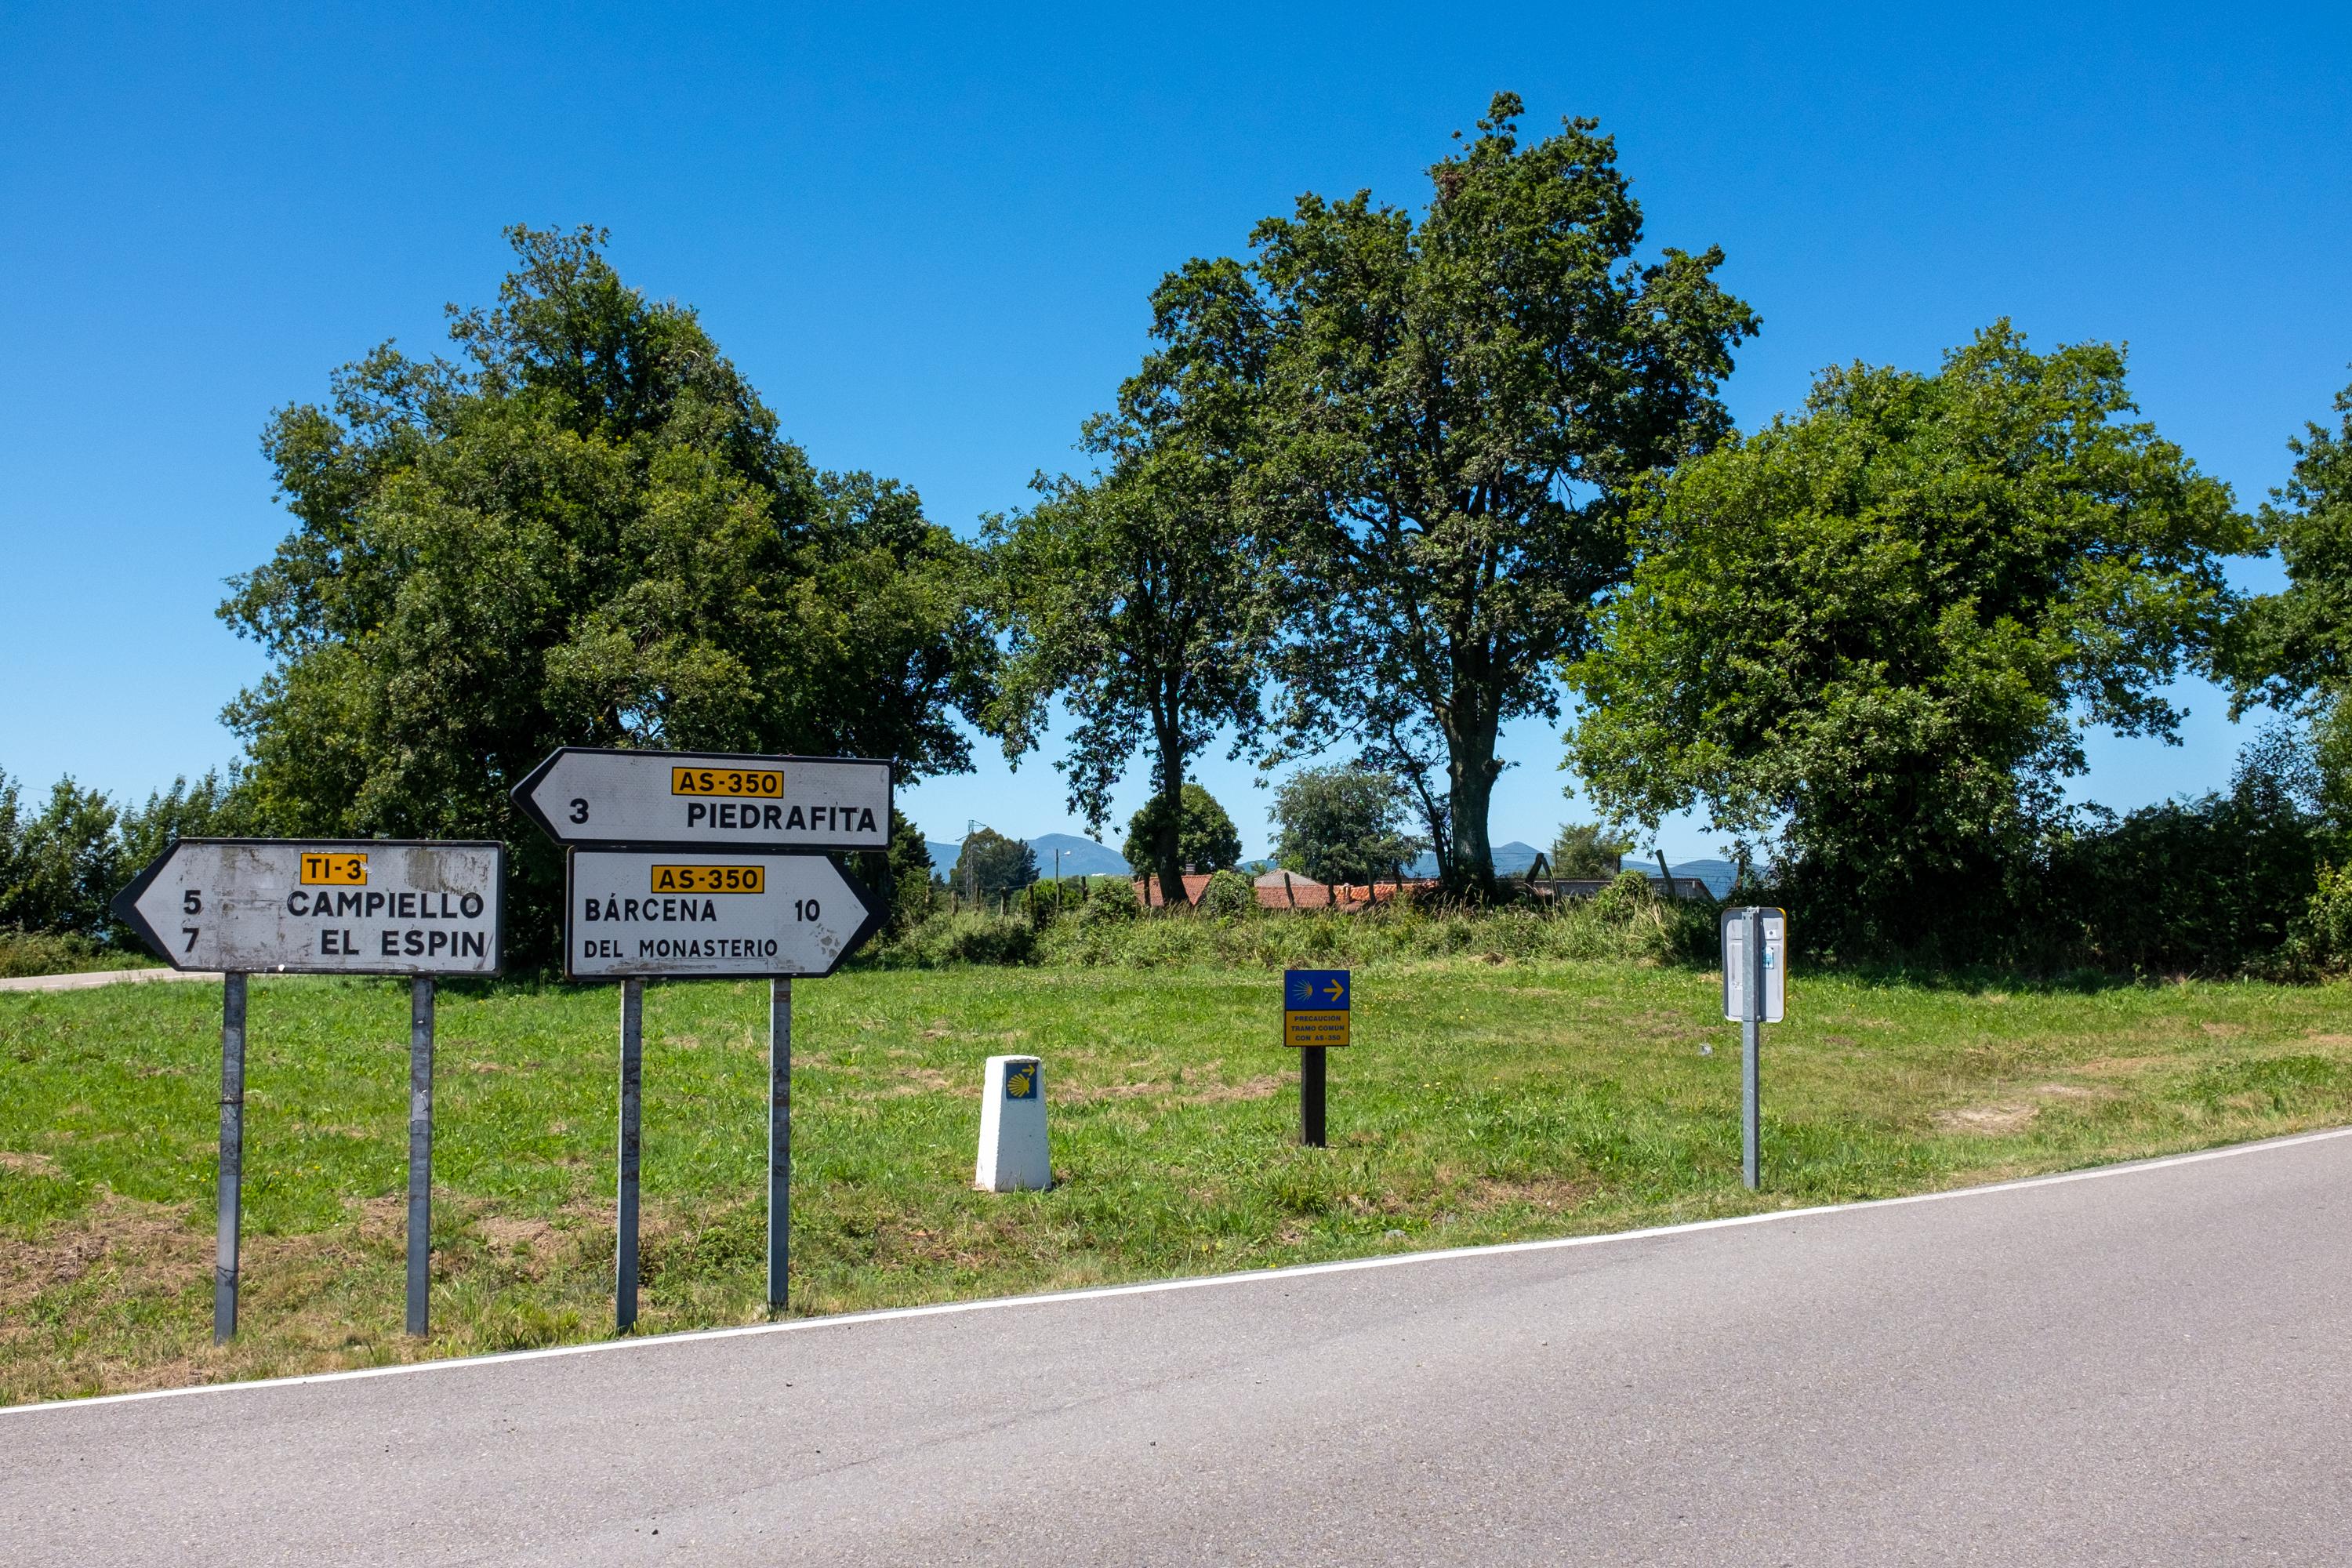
(1453, 410)
(62, 866)
(1206, 839)
(583, 529)
(2294, 650)
(1342, 825)
(990, 863)
(1135, 598)
(1867, 640)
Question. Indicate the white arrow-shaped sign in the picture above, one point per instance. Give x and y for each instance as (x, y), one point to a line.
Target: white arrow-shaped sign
(684, 913)
(322, 905)
(708, 799)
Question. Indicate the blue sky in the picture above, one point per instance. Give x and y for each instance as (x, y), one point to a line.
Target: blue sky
(927, 237)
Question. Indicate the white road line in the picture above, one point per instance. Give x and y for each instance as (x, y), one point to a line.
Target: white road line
(1202, 1282)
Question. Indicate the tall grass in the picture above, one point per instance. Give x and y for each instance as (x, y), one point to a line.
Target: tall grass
(1626, 922)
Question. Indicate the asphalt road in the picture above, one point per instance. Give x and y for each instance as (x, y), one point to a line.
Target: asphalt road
(84, 981)
(2146, 1366)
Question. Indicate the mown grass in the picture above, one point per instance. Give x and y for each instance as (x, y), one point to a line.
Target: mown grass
(1486, 1101)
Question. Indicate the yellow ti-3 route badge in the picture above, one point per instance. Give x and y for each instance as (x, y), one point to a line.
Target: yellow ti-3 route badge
(1315, 1009)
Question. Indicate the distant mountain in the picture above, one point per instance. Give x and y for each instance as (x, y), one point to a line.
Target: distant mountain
(1511, 859)
(1080, 857)
(1718, 875)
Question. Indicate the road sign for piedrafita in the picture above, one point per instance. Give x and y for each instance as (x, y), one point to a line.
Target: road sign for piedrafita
(683, 914)
(589, 797)
(322, 905)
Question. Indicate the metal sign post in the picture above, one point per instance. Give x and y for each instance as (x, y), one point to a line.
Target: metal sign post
(232, 1158)
(327, 906)
(1751, 1066)
(779, 1137)
(420, 1154)
(624, 1245)
(1755, 993)
(1314, 1017)
(705, 866)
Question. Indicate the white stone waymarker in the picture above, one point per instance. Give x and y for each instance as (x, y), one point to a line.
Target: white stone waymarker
(709, 800)
(687, 914)
(1012, 1156)
(321, 906)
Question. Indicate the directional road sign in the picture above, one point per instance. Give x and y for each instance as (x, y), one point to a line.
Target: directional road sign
(708, 799)
(1315, 1007)
(322, 905)
(683, 913)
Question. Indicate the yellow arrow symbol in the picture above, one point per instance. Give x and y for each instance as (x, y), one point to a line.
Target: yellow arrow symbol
(1336, 991)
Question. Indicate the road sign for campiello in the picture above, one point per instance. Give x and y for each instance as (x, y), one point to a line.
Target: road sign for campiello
(356, 905)
(590, 797)
(669, 912)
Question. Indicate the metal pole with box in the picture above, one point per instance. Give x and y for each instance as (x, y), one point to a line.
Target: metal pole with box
(1755, 993)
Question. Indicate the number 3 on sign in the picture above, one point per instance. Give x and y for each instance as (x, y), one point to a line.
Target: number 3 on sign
(803, 909)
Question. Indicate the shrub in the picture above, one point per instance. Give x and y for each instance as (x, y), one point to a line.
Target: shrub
(1627, 895)
(29, 953)
(1229, 895)
(2211, 885)
(1108, 901)
(964, 936)
(2322, 939)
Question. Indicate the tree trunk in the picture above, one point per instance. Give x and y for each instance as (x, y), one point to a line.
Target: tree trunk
(1471, 770)
(1165, 833)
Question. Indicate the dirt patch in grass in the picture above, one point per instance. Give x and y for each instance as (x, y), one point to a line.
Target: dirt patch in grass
(910, 1082)
(148, 1245)
(2015, 1115)
(1990, 1120)
(506, 1233)
(1550, 1194)
(382, 1219)
(1264, 1087)
(2119, 1067)
(27, 1163)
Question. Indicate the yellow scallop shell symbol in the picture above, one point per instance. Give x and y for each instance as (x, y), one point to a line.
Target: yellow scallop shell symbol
(1018, 1086)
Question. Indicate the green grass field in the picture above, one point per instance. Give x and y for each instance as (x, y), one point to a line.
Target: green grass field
(1486, 1101)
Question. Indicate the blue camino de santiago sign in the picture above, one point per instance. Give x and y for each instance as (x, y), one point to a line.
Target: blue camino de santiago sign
(1315, 1011)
